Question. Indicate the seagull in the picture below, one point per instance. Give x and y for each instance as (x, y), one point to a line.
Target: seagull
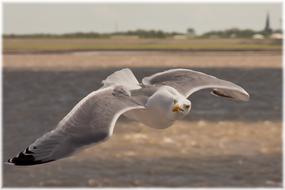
(158, 101)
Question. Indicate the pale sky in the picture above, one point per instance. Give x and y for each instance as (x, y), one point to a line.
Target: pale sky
(27, 18)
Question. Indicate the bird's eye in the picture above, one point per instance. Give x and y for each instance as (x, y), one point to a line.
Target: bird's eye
(175, 101)
(187, 106)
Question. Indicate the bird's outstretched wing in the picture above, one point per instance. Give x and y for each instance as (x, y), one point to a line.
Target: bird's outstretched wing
(91, 121)
(188, 81)
(124, 77)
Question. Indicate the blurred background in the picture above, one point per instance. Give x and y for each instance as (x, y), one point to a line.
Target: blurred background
(55, 54)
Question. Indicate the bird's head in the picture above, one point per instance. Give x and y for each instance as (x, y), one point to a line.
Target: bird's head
(169, 101)
(181, 106)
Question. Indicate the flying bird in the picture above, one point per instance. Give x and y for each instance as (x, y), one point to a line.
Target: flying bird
(156, 102)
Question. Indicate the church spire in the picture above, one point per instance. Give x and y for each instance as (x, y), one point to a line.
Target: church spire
(267, 24)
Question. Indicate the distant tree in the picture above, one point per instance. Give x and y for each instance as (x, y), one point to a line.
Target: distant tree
(191, 31)
(277, 31)
(238, 33)
(140, 33)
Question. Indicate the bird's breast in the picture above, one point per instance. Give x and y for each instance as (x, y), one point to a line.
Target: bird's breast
(150, 117)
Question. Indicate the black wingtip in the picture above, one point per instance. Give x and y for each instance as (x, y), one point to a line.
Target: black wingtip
(9, 162)
(26, 160)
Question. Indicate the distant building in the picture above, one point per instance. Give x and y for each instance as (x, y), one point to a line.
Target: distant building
(180, 37)
(267, 28)
(258, 37)
(267, 31)
(276, 36)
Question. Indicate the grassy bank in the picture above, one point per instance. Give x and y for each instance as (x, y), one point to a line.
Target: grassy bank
(26, 45)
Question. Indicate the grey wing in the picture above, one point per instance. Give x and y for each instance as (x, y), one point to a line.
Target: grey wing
(124, 77)
(187, 82)
(91, 121)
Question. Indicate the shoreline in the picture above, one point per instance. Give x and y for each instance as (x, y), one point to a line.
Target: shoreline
(174, 51)
(86, 60)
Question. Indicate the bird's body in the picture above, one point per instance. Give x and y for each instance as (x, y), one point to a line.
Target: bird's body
(157, 102)
(158, 106)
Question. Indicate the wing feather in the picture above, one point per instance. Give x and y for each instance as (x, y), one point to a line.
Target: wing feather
(187, 82)
(91, 121)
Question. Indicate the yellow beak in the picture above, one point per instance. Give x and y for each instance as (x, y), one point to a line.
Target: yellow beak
(177, 108)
